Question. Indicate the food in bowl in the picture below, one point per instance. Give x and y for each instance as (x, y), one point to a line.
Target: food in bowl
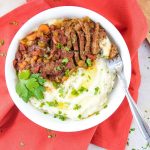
(61, 68)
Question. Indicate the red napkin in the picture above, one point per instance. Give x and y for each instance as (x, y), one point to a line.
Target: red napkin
(17, 132)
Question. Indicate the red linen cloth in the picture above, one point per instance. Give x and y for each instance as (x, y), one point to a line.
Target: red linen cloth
(17, 132)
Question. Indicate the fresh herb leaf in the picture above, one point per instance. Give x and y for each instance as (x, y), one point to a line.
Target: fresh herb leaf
(67, 49)
(38, 93)
(2, 42)
(74, 92)
(58, 68)
(97, 113)
(97, 91)
(59, 45)
(52, 103)
(56, 85)
(67, 72)
(79, 116)
(25, 74)
(22, 91)
(88, 62)
(60, 116)
(61, 92)
(32, 84)
(82, 74)
(105, 105)
(76, 107)
(82, 89)
(65, 61)
(39, 78)
(42, 104)
(131, 130)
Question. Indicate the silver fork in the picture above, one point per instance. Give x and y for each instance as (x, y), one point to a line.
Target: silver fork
(116, 65)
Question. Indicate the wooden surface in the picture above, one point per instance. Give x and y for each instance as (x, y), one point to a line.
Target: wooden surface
(145, 5)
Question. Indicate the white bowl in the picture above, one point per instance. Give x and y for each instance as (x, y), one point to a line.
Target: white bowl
(47, 121)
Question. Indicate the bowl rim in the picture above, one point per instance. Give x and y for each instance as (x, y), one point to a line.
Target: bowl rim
(62, 126)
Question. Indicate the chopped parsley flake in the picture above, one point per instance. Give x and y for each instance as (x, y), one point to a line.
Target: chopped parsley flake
(53, 103)
(88, 62)
(131, 130)
(97, 91)
(67, 49)
(60, 116)
(105, 105)
(74, 92)
(76, 107)
(67, 72)
(56, 85)
(97, 113)
(79, 116)
(82, 74)
(61, 92)
(58, 68)
(82, 89)
(59, 45)
(78, 91)
(42, 104)
(65, 61)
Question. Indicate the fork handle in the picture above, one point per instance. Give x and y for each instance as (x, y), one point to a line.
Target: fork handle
(143, 126)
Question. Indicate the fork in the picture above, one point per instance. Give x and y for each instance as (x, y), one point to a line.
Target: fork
(116, 65)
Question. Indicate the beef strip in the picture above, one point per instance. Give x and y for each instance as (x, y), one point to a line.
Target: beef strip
(75, 46)
(95, 39)
(86, 29)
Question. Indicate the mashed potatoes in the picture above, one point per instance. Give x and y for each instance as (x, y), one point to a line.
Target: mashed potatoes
(85, 93)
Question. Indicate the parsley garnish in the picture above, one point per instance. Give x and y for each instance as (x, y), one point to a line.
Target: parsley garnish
(97, 113)
(65, 61)
(104, 105)
(61, 92)
(58, 68)
(56, 85)
(76, 107)
(88, 62)
(131, 130)
(52, 103)
(60, 116)
(2, 43)
(30, 86)
(67, 72)
(59, 45)
(79, 116)
(74, 92)
(67, 49)
(97, 91)
(79, 91)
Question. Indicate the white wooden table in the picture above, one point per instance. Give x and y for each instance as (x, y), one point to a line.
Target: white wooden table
(136, 142)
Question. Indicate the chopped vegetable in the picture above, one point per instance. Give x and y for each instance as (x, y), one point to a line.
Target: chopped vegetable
(88, 62)
(65, 61)
(67, 49)
(131, 130)
(76, 107)
(79, 116)
(67, 72)
(56, 85)
(58, 68)
(44, 28)
(52, 103)
(60, 116)
(59, 45)
(97, 91)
